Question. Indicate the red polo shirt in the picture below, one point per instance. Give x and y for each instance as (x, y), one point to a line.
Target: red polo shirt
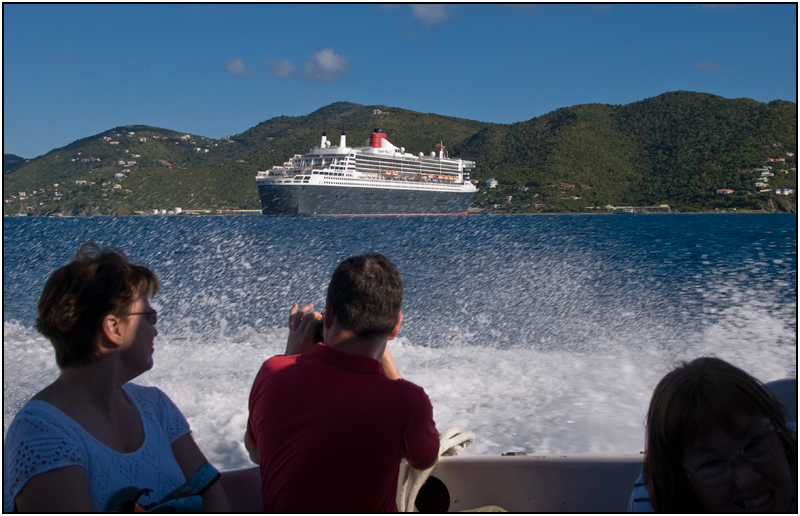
(331, 429)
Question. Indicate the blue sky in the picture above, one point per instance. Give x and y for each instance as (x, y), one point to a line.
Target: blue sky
(72, 71)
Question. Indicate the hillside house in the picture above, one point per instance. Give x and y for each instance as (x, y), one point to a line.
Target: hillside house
(120, 162)
(142, 140)
(724, 191)
(130, 163)
(119, 176)
(761, 184)
(790, 153)
(491, 182)
(106, 138)
(80, 182)
(117, 187)
(113, 143)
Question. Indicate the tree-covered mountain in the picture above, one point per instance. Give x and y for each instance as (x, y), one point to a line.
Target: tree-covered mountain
(11, 162)
(679, 149)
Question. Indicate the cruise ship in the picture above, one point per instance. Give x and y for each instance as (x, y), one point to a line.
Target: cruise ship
(376, 179)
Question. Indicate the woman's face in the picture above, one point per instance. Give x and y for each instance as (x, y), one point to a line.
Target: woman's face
(727, 482)
(138, 347)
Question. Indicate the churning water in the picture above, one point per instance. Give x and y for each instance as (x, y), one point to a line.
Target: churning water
(543, 334)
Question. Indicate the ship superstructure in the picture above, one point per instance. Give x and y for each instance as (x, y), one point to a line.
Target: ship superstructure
(377, 179)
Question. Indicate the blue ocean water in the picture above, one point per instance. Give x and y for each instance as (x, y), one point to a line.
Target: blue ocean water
(542, 333)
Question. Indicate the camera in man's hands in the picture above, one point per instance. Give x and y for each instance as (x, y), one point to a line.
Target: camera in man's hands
(318, 334)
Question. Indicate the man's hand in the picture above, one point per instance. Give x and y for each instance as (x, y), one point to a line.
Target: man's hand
(302, 322)
(389, 368)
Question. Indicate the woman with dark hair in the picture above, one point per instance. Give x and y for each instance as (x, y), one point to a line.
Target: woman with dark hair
(717, 441)
(92, 441)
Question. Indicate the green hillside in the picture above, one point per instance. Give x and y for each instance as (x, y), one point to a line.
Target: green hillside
(11, 162)
(678, 149)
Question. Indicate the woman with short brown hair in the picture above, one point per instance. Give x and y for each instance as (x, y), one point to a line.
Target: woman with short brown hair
(84, 441)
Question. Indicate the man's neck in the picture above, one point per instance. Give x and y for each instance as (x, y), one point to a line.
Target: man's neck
(349, 342)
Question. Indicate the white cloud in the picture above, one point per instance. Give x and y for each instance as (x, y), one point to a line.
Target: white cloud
(708, 66)
(430, 14)
(281, 68)
(237, 68)
(523, 8)
(325, 66)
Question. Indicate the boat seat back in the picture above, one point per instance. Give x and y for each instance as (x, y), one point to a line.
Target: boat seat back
(556, 483)
(786, 391)
(573, 483)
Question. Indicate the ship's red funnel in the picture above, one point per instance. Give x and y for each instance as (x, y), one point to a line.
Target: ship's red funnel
(375, 138)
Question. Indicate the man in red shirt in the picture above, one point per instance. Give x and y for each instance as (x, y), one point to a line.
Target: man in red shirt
(329, 423)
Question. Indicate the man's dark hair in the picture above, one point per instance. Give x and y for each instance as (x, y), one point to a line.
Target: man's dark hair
(366, 293)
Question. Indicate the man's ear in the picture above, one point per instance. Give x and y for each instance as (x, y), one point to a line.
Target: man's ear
(329, 315)
(112, 332)
(396, 327)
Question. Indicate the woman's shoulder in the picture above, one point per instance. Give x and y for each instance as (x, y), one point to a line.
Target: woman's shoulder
(143, 391)
(42, 417)
(39, 439)
(148, 396)
(155, 405)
